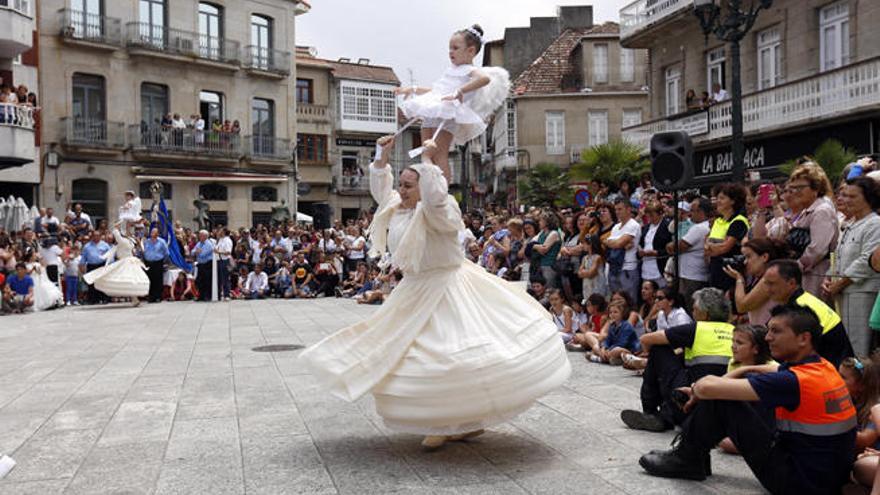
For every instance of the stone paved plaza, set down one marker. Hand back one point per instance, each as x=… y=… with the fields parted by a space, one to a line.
x=170 y=398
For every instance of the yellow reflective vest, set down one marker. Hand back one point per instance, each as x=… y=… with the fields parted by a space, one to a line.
x=712 y=344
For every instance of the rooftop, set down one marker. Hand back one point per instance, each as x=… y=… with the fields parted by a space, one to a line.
x=545 y=75
x=358 y=70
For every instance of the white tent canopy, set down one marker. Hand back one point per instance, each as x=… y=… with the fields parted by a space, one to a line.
x=302 y=217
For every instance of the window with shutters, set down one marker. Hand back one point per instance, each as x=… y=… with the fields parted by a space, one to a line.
x=555 y=130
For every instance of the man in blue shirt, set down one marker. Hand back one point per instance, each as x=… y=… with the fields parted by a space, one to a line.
x=155 y=252
x=204 y=254
x=92 y=258
x=812 y=447
x=20 y=296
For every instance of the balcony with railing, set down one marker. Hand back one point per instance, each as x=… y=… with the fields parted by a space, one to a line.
x=843 y=92
x=144 y=38
x=16 y=27
x=93 y=134
x=16 y=135
x=92 y=29
x=267 y=149
x=262 y=60
x=307 y=112
x=185 y=143
x=641 y=16
x=352 y=184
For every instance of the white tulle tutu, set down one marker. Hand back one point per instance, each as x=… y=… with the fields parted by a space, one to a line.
x=465 y=119
x=123 y=278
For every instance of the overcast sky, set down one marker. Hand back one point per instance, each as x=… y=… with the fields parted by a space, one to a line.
x=414 y=34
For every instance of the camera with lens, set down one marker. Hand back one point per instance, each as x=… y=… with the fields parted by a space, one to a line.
x=737 y=262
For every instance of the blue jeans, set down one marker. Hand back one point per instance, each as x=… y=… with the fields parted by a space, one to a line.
x=71 y=288
x=626 y=280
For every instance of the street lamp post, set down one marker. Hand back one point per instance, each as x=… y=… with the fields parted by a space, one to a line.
x=731 y=24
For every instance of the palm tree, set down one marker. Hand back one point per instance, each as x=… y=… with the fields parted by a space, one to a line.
x=610 y=162
x=831 y=155
x=546 y=184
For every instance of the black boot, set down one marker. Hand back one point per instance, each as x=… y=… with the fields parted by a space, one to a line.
x=683 y=461
x=638 y=420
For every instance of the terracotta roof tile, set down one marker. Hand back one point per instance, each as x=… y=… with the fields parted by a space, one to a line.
x=377 y=73
x=545 y=75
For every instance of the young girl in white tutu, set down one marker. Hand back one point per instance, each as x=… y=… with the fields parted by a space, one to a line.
x=460 y=102
x=130 y=211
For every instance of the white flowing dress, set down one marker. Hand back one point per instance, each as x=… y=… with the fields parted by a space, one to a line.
x=465 y=119
x=126 y=277
x=453 y=349
x=47 y=295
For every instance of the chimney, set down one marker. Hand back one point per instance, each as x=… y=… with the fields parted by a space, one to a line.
x=363 y=61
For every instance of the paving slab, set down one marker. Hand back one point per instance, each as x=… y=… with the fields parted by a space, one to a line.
x=175 y=401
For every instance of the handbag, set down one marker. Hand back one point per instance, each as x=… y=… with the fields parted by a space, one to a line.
x=798 y=239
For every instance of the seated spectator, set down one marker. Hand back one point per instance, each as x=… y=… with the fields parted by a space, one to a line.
x=326 y=277
x=563 y=315
x=303 y=277
x=183 y=288
x=648 y=309
x=751 y=355
x=707 y=351
x=670 y=309
x=634 y=318
x=283 y=281
x=355 y=282
x=538 y=290
x=783 y=282
x=811 y=448
x=617 y=338
x=19 y=295
x=257 y=284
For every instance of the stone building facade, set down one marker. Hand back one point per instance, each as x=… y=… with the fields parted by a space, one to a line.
x=580 y=92
x=115 y=69
x=810 y=71
x=19 y=126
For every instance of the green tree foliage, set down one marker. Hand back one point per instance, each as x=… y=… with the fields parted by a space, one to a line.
x=831 y=155
x=544 y=185
x=610 y=162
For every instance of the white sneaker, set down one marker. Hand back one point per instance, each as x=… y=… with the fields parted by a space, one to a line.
x=6 y=465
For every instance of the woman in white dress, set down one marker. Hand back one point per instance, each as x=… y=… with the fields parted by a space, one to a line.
x=453 y=349
x=126 y=277
x=46 y=294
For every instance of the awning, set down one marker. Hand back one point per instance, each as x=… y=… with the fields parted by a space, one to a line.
x=302 y=217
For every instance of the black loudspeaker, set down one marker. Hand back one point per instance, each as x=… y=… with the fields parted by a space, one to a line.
x=323 y=216
x=672 y=157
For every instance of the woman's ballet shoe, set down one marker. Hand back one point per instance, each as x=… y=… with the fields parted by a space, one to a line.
x=466 y=436
x=431 y=442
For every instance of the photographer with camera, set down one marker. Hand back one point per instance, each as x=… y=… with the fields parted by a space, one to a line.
x=750 y=293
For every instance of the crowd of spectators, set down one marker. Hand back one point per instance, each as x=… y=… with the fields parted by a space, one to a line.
x=192 y=132
x=693 y=103
x=758 y=263
x=17 y=104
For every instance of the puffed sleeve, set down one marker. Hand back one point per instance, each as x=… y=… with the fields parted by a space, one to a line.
x=441 y=211
x=381 y=183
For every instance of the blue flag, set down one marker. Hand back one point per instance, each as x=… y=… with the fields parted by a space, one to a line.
x=166 y=231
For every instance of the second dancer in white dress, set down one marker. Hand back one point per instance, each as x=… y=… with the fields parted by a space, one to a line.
x=126 y=277
x=453 y=349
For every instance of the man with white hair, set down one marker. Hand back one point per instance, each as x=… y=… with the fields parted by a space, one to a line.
x=204 y=254
x=707 y=351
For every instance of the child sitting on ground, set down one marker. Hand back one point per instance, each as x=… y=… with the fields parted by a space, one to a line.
x=616 y=338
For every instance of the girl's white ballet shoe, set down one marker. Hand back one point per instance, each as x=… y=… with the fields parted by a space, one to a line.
x=432 y=442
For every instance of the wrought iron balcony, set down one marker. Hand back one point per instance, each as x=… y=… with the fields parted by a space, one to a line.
x=833 y=94
x=262 y=59
x=77 y=25
x=186 y=141
x=93 y=133
x=263 y=148
x=161 y=39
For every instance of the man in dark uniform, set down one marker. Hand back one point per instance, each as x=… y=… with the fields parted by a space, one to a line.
x=812 y=447
x=707 y=351
x=783 y=281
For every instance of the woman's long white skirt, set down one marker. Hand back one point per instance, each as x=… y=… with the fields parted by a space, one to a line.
x=451 y=351
x=123 y=278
